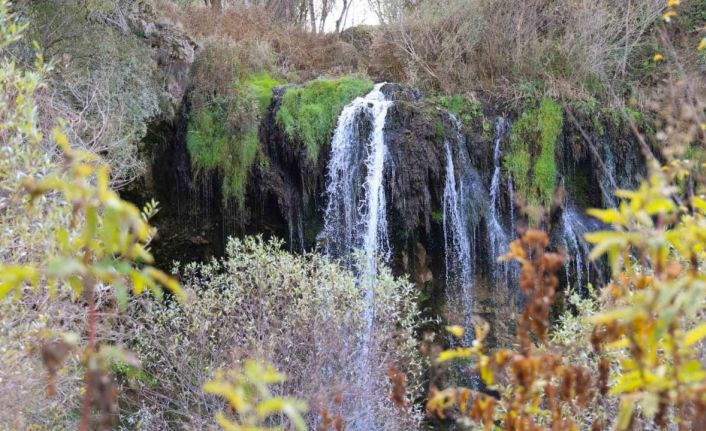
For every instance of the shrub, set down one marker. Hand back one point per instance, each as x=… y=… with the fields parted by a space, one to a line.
x=269 y=43
x=93 y=246
x=309 y=114
x=106 y=84
x=300 y=313
x=639 y=365
x=466 y=110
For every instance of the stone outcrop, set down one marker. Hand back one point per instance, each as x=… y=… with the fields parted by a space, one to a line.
x=173 y=50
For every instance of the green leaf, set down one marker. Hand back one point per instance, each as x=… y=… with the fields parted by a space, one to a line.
x=625 y=413
x=63 y=267
x=122 y=296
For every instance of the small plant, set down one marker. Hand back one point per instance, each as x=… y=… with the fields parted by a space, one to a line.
x=228 y=103
x=248 y=394
x=104 y=241
x=466 y=110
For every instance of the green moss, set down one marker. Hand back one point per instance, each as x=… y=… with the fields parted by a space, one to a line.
x=531 y=159
x=437 y=216
x=261 y=86
x=222 y=135
x=464 y=109
x=309 y=114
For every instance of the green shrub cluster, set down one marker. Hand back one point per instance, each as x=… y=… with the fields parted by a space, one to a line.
x=228 y=103
x=531 y=159
x=303 y=314
x=309 y=113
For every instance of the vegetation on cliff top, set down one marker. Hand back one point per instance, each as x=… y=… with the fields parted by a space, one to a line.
x=309 y=114
x=228 y=102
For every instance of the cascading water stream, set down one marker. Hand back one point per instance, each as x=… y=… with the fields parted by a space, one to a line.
x=355 y=217
x=497 y=236
x=458 y=244
x=355 y=221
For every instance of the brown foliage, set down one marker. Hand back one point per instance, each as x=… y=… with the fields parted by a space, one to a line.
x=297 y=54
x=540 y=379
x=499 y=46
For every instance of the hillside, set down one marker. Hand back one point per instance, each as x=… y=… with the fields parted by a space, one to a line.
x=472 y=215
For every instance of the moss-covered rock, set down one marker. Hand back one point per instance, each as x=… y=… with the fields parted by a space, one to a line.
x=308 y=114
x=222 y=133
x=531 y=159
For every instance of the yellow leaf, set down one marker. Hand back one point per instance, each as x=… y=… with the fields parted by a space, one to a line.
x=61 y=140
x=455 y=330
x=608 y=216
x=628 y=382
x=658 y=57
x=659 y=206
x=458 y=353
x=226 y=390
x=702 y=44
x=623 y=313
x=138 y=282
x=667 y=17
x=226 y=424
x=83 y=170
x=619 y=344
x=279 y=404
x=695 y=335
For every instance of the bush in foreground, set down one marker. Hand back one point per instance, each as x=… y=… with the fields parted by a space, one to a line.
x=301 y=313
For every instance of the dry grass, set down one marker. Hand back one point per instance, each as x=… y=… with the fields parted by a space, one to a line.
x=291 y=52
x=569 y=49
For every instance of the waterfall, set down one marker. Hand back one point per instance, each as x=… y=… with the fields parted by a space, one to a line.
x=355 y=221
x=574 y=226
x=607 y=183
x=355 y=216
x=458 y=245
x=497 y=236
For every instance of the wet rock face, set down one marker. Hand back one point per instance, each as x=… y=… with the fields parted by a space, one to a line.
x=417 y=153
x=286 y=196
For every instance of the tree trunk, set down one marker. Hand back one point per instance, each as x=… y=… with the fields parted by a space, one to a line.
x=342 y=18
x=217 y=6
x=312 y=16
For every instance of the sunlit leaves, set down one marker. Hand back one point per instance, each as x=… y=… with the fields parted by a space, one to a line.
x=455 y=330
x=656 y=251
x=107 y=236
x=450 y=355
x=695 y=335
x=247 y=391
